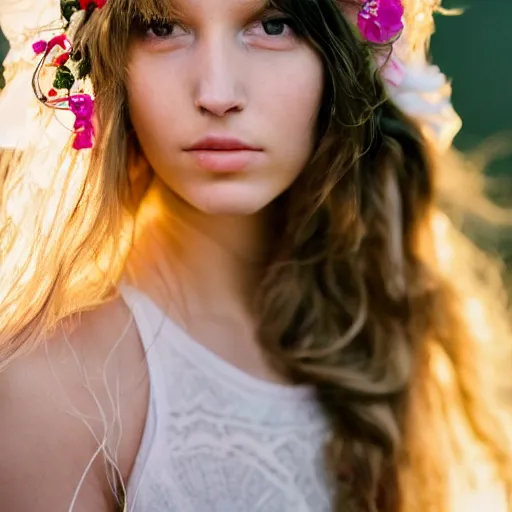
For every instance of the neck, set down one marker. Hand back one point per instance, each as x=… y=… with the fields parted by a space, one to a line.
x=205 y=261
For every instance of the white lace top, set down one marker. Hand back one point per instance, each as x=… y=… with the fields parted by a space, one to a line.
x=218 y=439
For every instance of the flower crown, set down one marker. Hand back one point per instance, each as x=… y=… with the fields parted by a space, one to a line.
x=379 y=22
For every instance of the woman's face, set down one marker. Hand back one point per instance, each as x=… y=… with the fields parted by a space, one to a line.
x=224 y=100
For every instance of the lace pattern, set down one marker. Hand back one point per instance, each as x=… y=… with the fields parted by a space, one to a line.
x=221 y=445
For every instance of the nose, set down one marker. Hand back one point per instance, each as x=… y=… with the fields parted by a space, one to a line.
x=219 y=90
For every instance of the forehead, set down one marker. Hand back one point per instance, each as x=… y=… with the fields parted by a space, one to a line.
x=205 y=8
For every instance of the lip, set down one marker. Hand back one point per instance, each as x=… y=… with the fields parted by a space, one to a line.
x=224 y=154
x=220 y=143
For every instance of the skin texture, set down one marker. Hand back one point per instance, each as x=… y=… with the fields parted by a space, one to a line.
x=220 y=73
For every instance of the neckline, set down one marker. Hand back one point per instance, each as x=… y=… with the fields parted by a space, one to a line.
x=210 y=362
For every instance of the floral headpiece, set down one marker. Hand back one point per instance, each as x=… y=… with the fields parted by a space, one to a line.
x=69 y=87
x=379 y=21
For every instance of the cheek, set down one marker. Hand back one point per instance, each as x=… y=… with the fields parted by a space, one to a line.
x=152 y=102
x=281 y=94
x=292 y=96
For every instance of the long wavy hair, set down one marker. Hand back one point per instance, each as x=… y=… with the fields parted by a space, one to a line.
x=359 y=298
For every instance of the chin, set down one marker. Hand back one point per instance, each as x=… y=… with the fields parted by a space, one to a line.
x=230 y=199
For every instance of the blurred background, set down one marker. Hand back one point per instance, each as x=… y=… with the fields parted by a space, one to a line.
x=3 y=51
x=475 y=50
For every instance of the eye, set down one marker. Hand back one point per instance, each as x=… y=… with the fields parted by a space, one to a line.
x=275 y=26
x=162 y=29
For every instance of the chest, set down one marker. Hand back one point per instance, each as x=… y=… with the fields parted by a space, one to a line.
x=210 y=445
x=217 y=438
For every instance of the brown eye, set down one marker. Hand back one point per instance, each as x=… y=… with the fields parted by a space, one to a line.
x=161 y=29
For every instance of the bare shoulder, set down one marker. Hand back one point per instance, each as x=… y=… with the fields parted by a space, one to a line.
x=83 y=387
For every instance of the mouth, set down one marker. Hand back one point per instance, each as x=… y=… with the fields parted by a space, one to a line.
x=222 y=144
x=224 y=154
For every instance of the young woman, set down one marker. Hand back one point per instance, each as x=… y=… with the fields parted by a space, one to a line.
x=225 y=293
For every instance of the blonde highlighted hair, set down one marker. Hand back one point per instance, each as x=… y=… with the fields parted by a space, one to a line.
x=372 y=295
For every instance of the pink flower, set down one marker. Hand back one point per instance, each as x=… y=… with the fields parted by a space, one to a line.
x=83 y=139
x=39 y=47
x=82 y=105
x=380 y=21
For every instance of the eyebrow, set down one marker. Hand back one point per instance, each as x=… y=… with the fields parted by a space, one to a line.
x=260 y=7
x=256 y=9
x=150 y=9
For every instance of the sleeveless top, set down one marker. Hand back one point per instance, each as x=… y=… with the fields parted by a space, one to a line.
x=218 y=439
